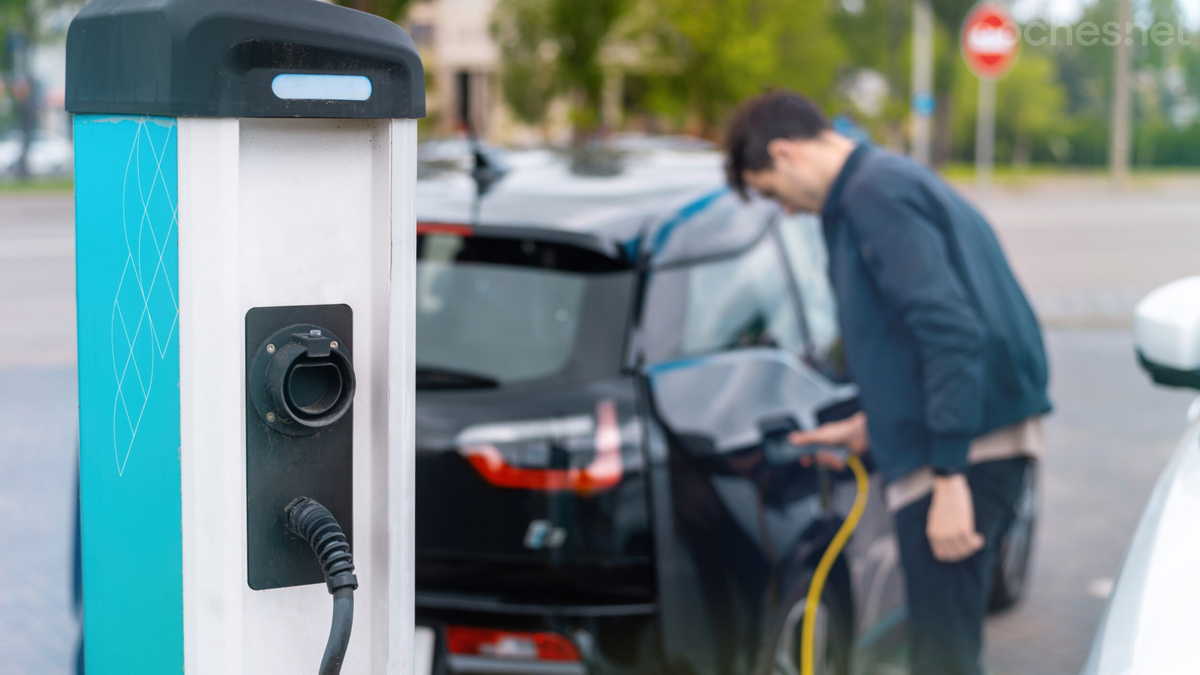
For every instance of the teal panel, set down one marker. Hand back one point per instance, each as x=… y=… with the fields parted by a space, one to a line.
x=127 y=259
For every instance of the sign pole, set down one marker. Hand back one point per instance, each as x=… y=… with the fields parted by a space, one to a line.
x=990 y=42
x=985 y=132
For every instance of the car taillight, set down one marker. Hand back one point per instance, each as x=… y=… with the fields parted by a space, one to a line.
x=445 y=228
x=603 y=472
x=503 y=644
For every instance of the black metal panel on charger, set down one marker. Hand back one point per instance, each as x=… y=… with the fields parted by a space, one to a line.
x=280 y=468
x=218 y=58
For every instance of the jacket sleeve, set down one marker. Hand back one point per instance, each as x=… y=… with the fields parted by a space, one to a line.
x=907 y=256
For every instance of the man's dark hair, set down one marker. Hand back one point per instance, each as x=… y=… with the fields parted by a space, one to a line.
x=777 y=114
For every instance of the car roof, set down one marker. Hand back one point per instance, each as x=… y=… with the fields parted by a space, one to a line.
x=617 y=203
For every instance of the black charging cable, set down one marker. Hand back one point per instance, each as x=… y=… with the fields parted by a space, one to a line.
x=313 y=523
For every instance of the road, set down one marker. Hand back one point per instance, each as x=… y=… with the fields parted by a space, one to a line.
x=1087 y=252
x=1084 y=252
x=38 y=413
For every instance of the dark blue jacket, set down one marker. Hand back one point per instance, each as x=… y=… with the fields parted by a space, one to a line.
x=938 y=335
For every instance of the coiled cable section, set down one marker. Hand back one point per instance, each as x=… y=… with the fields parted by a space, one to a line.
x=308 y=519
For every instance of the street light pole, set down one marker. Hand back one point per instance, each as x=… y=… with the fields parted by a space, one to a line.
x=922 y=82
x=1119 y=136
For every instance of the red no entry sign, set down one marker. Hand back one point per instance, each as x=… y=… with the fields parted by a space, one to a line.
x=990 y=41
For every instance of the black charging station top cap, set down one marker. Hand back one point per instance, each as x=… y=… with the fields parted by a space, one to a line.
x=220 y=58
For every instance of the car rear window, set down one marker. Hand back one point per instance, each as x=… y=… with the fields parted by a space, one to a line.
x=722 y=305
x=497 y=311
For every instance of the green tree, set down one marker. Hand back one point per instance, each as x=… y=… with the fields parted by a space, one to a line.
x=551 y=47
x=720 y=52
x=18 y=26
x=528 y=51
x=1165 y=73
x=876 y=35
x=580 y=30
x=1030 y=107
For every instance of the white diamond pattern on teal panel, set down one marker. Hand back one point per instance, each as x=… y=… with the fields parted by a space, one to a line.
x=145 y=310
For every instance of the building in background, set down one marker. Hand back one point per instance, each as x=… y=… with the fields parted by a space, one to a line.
x=462 y=74
x=461 y=62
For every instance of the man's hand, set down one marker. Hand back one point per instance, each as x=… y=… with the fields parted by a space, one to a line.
x=850 y=433
x=951 y=524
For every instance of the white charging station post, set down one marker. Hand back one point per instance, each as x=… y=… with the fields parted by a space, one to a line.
x=236 y=159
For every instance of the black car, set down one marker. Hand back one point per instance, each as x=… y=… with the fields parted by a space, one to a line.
x=604 y=349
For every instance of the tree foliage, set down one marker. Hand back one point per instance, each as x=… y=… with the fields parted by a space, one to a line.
x=579 y=30
x=18 y=26
x=687 y=64
x=552 y=47
x=720 y=52
x=523 y=32
x=1030 y=106
x=696 y=59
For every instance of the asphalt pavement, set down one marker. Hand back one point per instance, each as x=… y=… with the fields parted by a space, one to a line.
x=38 y=419
x=1084 y=251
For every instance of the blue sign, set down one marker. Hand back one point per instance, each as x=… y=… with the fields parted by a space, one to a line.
x=924 y=104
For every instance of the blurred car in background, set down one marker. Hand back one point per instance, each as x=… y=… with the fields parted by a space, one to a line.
x=606 y=347
x=49 y=155
x=629 y=141
x=1149 y=623
x=452 y=153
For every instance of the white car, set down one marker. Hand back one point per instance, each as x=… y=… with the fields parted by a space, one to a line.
x=1150 y=623
x=49 y=155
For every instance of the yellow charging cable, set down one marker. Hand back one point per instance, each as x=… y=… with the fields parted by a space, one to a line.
x=809 y=628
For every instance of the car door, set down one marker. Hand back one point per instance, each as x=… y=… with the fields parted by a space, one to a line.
x=727 y=357
x=873 y=553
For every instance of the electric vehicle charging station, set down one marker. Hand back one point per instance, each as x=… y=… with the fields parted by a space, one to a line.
x=245 y=176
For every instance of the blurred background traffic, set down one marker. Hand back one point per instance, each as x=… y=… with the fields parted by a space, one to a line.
x=1089 y=230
